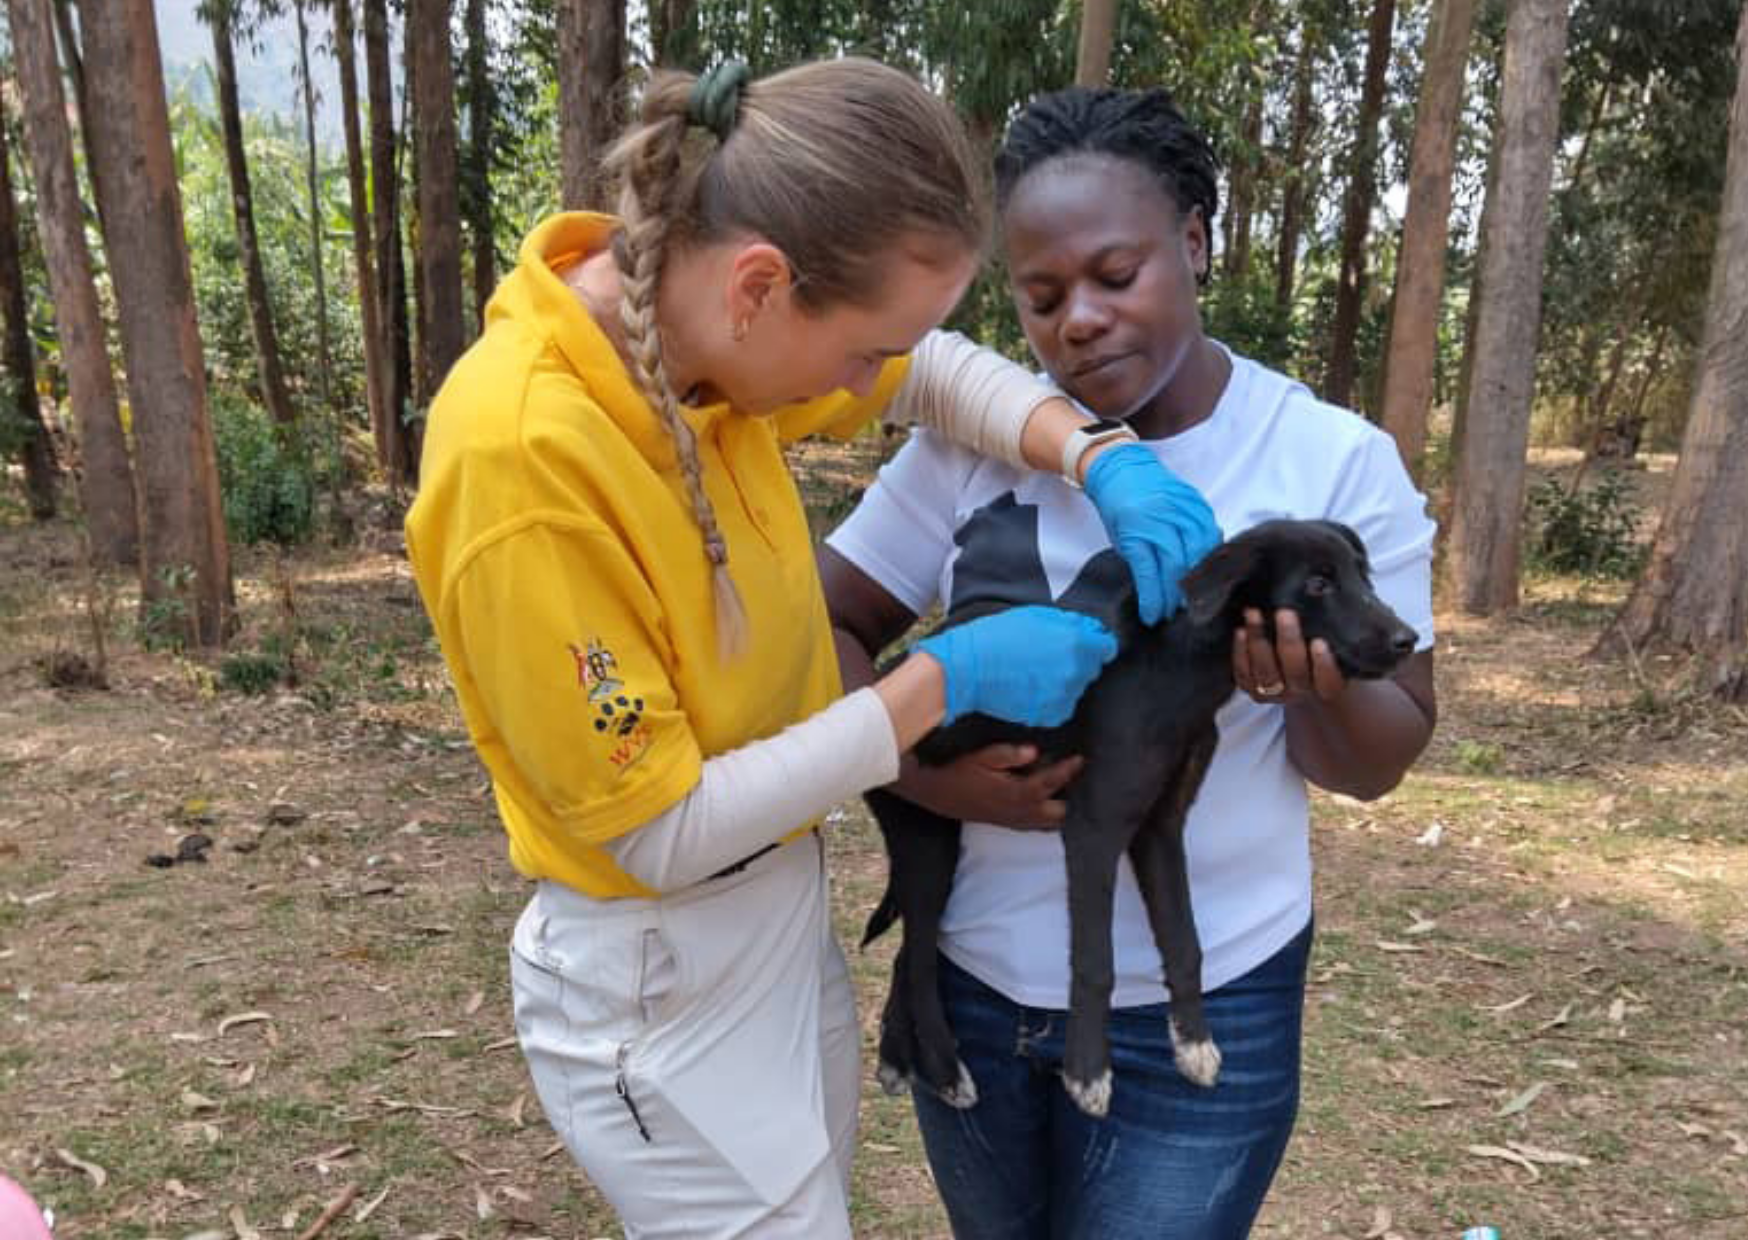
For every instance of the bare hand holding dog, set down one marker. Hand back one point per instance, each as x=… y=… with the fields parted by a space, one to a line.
x=997 y=784
x=1284 y=669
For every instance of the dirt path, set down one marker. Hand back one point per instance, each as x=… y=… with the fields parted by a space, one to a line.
x=1528 y=1001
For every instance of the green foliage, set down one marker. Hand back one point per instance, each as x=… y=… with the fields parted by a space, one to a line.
x=1479 y=757
x=166 y=621
x=268 y=483
x=1591 y=531
x=251 y=672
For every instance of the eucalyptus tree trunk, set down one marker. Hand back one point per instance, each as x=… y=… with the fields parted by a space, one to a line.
x=324 y=356
x=478 y=199
x=74 y=62
x=345 y=55
x=273 y=391
x=1694 y=594
x=1489 y=482
x=106 y=480
x=673 y=34
x=1356 y=227
x=1410 y=361
x=1098 y=27
x=439 y=235
x=42 y=474
x=185 y=572
x=1245 y=173
x=1296 y=189
x=398 y=450
x=591 y=69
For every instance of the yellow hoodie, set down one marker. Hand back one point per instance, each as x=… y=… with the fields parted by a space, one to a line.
x=554 y=547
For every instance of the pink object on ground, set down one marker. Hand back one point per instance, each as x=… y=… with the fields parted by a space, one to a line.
x=20 y=1219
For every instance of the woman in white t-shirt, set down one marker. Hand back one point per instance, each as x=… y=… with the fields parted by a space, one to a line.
x=1107 y=202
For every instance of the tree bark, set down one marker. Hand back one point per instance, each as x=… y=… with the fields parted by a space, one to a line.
x=42 y=473
x=591 y=68
x=397 y=451
x=106 y=481
x=1356 y=228
x=1410 y=360
x=1489 y=480
x=273 y=391
x=439 y=219
x=184 y=561
x=673 y=36
x=74 y=62
x=481 y=104
x=1694 y=593
x=1239 y=214
x=1296 y=189
x=345 y=54
x=1098 y=28
x=324 y=355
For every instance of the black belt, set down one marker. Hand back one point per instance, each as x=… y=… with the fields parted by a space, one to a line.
x=743 y=863
x=747 y=860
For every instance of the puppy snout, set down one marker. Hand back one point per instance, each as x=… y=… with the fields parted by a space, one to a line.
x=1402 y=641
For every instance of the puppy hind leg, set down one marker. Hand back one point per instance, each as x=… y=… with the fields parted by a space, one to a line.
x=916 y=1039
x=1162 y=872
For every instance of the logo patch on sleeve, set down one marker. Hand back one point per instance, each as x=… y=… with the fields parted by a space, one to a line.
x=617 y=712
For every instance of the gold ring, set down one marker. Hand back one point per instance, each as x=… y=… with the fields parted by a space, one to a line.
x=1274 y=690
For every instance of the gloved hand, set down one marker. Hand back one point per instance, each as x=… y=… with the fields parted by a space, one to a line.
x=1158 y=523
x=1026 y=665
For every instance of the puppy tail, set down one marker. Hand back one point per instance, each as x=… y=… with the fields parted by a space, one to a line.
x=881 y=919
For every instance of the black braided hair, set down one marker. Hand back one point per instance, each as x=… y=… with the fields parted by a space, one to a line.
x=1142 y=126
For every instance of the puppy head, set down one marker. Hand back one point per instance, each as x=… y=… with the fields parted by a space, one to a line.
x=1319 y=570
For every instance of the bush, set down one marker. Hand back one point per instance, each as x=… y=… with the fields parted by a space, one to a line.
x=251 y=672
x=267 y=481
x=1592 y=532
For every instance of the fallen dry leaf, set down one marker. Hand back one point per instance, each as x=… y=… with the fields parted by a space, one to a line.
x=368 y=1208
x=1499 y=1009
x=474 y=1002
x=99 y=1177
x=1524 y=1100
x=1547 y=1157
x=1381 y=1221
x=242 y=1018
x=240 y=1225
x=1505 y=1155
x=195 y=1101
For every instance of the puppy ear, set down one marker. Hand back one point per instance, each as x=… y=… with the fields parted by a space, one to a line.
x=1209 y=587
x=1353 y=540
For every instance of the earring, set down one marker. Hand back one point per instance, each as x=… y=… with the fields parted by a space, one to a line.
x=739 y=331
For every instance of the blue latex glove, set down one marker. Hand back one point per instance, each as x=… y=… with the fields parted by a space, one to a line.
x=1158 y=523
x=1026 y=665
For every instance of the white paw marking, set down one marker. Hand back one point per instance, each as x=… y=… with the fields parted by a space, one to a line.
x=963 y=1094
x=1199 y=1061
x=891 y=1079
x=1093 y=1097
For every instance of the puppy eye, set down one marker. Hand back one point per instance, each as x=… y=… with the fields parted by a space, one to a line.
x=1318 y=584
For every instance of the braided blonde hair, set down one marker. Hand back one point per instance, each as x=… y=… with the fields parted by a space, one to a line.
x=840 y=164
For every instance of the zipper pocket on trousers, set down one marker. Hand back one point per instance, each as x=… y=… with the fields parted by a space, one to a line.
x=624 y=1091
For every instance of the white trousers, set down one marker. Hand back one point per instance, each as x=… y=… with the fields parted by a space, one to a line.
x=698 y=1053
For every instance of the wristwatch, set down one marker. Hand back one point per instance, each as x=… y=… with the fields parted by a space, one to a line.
x=1084 y=438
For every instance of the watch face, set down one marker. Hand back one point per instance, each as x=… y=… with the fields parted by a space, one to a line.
x=1104 y=426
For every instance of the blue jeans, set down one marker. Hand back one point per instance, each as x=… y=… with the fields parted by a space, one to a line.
x=1172 y=1161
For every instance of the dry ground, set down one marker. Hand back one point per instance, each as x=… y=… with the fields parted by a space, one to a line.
x=1529 y=1000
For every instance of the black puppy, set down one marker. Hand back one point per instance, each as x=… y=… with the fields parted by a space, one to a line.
x=1146 y=728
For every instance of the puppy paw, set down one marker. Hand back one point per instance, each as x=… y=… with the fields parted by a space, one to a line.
x=962 y=1094
x=1198 y=1059
x=893 y=1080
x=1092 y=1097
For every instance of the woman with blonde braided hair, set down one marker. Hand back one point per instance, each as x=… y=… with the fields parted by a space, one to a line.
x=618 y=569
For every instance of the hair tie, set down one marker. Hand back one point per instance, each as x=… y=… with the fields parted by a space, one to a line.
x=715 y=99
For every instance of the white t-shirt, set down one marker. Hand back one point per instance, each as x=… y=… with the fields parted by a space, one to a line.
x=1269 y=449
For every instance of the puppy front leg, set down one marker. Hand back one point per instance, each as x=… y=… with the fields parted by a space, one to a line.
x=1162 y=873
x=1091 y=854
